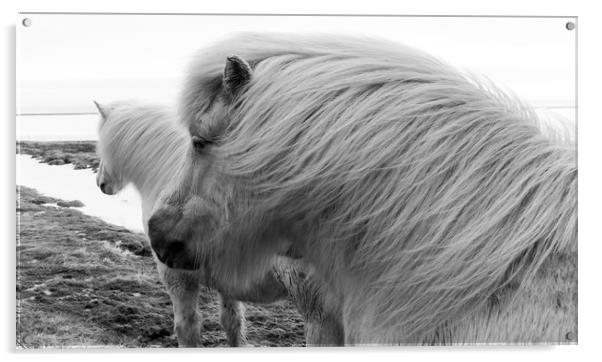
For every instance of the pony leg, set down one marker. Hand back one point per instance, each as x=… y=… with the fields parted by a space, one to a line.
x=326 y=330
x=322 y=321
x=183 y=288
x=323 y=325
x=233 y=321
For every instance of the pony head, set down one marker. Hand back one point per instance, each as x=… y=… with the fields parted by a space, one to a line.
x=415 y=191
x=189 y=211
x=109 y=181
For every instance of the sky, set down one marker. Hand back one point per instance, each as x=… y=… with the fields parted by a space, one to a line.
x=66 y=61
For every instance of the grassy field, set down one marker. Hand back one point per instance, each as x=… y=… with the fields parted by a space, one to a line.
x=83 y=282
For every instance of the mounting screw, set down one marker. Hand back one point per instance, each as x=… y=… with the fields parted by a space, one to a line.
x=27 y=22
x=570 y=25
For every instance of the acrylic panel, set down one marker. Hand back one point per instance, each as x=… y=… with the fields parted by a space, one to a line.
x=283 y=180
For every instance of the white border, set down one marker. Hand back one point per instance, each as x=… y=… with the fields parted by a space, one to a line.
x=589 y=119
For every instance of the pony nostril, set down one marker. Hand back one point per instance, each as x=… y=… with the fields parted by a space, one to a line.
x=102 y=187
x=176 y=247
x=169 y=249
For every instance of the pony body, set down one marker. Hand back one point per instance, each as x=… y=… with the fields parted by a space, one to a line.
x=416 y=191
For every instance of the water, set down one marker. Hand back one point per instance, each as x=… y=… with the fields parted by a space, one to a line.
x=64 y=182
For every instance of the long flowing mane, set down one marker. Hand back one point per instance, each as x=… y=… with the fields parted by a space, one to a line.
x=144 y=144
x=436 y=186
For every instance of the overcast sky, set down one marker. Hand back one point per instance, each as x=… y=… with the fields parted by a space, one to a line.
x=65 y=61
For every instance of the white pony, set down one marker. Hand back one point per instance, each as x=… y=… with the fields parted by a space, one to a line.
x=141 y=144
x=435 y=208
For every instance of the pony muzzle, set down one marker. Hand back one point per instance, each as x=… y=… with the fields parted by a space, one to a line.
x=106 y=188
x=172 y=252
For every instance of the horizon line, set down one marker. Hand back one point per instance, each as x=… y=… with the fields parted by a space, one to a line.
x=56 y=114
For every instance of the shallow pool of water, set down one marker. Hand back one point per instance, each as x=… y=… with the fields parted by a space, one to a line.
x=64 y=182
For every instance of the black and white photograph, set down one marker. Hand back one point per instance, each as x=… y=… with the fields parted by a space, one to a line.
x=294 y=180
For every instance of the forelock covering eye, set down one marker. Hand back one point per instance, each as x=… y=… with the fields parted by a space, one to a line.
x=199 y=143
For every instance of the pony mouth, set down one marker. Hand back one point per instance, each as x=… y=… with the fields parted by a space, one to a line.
x=177 y=261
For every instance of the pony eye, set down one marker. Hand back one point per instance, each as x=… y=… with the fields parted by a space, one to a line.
x=199 y=143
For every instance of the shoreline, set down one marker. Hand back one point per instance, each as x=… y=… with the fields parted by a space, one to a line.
x=81 y=154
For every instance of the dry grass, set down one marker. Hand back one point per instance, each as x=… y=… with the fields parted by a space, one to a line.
x=82 y=282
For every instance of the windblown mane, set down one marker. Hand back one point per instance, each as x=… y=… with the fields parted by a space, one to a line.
x=438 y=187
x=144 y=144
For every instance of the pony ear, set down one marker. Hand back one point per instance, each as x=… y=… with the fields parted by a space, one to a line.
x=236 y=74
x=103 y=110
